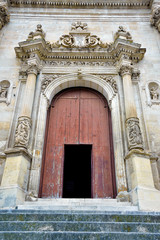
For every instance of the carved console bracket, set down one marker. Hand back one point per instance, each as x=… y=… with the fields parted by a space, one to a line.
x=4 y=15
x=22 y=133
x=134 y=135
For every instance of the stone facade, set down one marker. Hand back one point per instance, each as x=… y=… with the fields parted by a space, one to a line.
x=110 y=47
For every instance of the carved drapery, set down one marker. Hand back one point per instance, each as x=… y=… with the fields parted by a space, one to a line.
x=134 y=134
x=22 y=133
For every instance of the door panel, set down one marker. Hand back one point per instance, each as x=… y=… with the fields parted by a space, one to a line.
x=78 y=116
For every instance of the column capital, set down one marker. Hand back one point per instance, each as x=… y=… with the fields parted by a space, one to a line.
x=34 y=64
x=125 y=69
x=4 y=14
x=33 y=69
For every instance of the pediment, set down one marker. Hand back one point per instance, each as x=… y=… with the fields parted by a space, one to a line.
x=80 y=45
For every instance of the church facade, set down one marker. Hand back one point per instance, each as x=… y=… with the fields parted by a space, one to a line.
x=80 y=101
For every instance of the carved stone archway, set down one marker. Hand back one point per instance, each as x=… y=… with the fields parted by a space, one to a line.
x=78 y=80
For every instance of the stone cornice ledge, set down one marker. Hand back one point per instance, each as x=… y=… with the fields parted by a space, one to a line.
x=82 y=3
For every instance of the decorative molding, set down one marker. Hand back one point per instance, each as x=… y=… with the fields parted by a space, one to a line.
x=81 y=46
x=155 y=19
x=134 y=134
x=111 y=81
x=82 y=4
x=4 y=15
x=22 y=133
x=79 y=63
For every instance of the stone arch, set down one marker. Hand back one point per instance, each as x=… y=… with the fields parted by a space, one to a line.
x=78 y=80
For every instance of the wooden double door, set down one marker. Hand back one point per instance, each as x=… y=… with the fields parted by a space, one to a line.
x=78 y=151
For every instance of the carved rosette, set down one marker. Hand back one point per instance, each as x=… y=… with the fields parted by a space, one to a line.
x=134 y=134
x=155 y=19
x=4 y=15
x=126 y=70
x=22 y=133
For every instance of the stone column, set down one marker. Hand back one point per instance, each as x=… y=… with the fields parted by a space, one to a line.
x=16 y=172
x=138 y=166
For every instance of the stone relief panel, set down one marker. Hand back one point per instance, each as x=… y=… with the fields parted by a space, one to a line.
x=134 y=134
x=22 y=133
x=5 y=91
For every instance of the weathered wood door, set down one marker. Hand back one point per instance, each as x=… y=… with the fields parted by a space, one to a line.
x=78 y=116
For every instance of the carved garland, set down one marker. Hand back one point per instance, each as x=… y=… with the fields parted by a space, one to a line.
x=111 y=82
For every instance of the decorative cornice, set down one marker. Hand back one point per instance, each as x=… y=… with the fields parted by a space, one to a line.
x=82 y=3
x=4 y=15
x=83 y=47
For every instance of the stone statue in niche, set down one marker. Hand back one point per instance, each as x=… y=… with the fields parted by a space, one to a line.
x=154 y=93
x=4 y=86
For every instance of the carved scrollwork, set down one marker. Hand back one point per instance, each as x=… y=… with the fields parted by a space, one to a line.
x=111 y=81
x=92 y=41
x=66 y=41
x=134 y=134
x=22 y=133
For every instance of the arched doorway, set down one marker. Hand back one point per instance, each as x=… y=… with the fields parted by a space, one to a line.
x=78 y=150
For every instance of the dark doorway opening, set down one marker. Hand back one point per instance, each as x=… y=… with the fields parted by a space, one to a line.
x=77 y=171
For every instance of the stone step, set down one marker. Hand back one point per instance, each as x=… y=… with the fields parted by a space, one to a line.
x=79 y=226
x=79 y=202
x=35 y=215
x=77 y=236
x=77 y=208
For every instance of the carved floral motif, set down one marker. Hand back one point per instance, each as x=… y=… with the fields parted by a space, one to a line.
x=79 y=26
x=134 y=134
x=111 y=81
x=22 y=133
x=78 y=63
x=66 y=41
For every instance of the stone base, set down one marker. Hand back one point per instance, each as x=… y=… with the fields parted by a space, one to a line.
x=147 y=199
x=11 y=196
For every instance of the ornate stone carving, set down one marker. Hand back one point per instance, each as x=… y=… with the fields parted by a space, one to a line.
x=155 y=19
x=79 y=26
x=154 y=93
x=134 y=134
x=4 y=15
x=78 y=63
x=32 y=69
x=126 y=70
x=122 y=33
x=4 y=87
x=111 y=81
x=22 y=133
x=47 y=79
x=80 y=37
x=38 y=34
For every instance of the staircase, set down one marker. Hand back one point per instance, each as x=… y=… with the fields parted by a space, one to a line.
x=78 y=220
